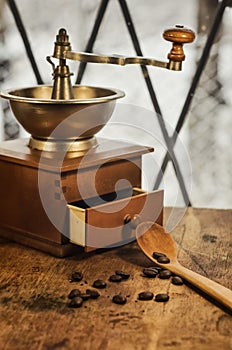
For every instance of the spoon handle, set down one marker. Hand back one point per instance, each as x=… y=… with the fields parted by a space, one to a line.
x=215 y=290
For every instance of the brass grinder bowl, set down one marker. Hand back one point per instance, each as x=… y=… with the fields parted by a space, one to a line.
x=62 y=124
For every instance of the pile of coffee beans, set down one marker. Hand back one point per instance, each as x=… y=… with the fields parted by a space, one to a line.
x=150 y=272
x=124 y=275
x=153 y=272
x=162 y=273
x=77 y=297
x=161 y=297
x=161 y=258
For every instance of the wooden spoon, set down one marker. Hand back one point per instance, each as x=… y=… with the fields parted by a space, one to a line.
x=153 y=238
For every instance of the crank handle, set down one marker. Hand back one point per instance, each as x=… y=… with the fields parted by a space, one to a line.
x=178 y=36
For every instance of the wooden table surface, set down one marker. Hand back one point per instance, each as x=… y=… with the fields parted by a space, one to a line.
x=34 y=286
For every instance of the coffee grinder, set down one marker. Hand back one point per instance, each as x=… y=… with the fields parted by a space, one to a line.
x=65 y=189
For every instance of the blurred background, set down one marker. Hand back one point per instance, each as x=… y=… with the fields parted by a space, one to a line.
x=203 y=148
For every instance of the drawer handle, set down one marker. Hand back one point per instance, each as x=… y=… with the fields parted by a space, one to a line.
x=134 y=220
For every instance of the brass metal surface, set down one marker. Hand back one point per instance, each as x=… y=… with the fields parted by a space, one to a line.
x=82 y=95
x=178 y=35
x=64 y=114
x=114 y=59
x=63 y=51
x=62 y=88
x=62 y=43
x=79 y=118
x=62 y=145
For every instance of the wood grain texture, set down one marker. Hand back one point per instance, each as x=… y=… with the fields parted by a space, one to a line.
x=17 y=151
x=34 y=288
x=33 y=189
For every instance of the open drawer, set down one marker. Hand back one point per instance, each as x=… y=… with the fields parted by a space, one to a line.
x=110 y=220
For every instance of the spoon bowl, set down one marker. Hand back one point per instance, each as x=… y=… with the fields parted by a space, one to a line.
x=153 y=238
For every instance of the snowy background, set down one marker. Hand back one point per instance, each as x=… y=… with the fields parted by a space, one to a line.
x=204 y=145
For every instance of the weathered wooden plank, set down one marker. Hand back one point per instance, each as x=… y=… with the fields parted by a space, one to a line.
x=34 y=288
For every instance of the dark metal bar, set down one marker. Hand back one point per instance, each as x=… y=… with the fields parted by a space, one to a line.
x=89 y=46
x=138 y=51
x=200 y=67
x=21 y=28
x=136 y=44
x=146 y=76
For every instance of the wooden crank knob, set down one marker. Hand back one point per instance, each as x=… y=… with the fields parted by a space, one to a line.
x=178 y=35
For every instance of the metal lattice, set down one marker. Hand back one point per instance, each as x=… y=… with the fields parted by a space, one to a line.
x=207 y=115
x=10 y=127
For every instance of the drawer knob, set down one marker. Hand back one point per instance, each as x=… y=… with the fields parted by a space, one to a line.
x=134 y=220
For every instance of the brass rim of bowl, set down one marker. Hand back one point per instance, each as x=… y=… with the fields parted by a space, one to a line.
x=116 y=94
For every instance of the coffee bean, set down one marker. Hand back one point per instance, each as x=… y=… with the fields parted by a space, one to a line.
x=115 y=278
x=177 y=281
x=123 y=274
x=155 y=268
x=76 y=276
x=151 y=273
x=99 y=284
x=85 y=296
x=163 y=260
x=119 y=299
x=76 y=302
x=164 y=274
x=145 y=296
x=92 y=293
x=74 y=293
x=162 y=297
x=158 y=268
x=156 y=255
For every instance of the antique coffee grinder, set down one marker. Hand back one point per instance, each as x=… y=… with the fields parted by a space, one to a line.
x=65 y=188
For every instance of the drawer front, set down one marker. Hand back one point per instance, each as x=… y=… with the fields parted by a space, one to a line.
x=91 y=181
x=113 y=223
